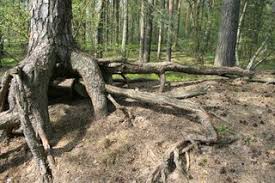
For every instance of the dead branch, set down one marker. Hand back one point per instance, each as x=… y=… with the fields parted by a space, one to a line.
x=188 y=94
x=127 y=114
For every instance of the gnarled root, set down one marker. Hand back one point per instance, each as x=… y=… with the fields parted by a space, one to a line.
x=33 y=142
x=173 y=157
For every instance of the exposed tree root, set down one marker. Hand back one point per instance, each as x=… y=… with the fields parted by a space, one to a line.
x=128 y=116
x=88 y=69
x=173 y=157
x=34 y=144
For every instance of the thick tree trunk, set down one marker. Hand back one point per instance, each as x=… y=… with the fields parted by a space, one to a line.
x=50 y=47
x=225 y=53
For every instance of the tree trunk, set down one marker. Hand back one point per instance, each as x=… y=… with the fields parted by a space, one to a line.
x=170 y=30
x=1 y=48
x=50 y=50
x=142 y=31
x=148 y=31
x=117 y=19
x=239 y=33
x=160 y=32
x=99 y=31
x=225 y=53
x=125 y=28
x=177 y=29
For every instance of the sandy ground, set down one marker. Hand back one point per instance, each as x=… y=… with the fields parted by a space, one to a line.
x=110 y=150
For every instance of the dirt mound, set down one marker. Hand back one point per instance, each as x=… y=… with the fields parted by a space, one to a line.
x=111 y=150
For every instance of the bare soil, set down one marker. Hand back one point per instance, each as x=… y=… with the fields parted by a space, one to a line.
x=111 y=150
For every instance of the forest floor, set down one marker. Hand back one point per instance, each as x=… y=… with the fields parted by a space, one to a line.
x=111 y=150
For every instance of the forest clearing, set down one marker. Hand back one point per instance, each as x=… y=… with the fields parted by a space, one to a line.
x=137 y=91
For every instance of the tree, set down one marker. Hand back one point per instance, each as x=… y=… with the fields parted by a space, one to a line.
x=142 y=30
x=161 y=26
x=225 y=53
x=125 y=28
x=1 y=48
x=100 y=9
x=51 y=53
x=148 y=31
x=170 y=29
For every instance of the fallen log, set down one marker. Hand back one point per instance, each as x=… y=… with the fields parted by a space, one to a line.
x=123 y=67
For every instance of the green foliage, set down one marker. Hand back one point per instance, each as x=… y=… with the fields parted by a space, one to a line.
x=196 y=37
x=14 y=21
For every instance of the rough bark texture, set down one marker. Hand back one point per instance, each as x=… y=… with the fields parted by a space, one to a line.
x=88 y=69
x=161 y=26
x=225 y=53
x=50 y=47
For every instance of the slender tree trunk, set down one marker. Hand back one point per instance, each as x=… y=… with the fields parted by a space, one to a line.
x=100 y=29
x=239 y=33
x=160 y=32
x=117 y=20
x=148 y=31
x=225 y=53
x=177 y=28
x=1 y=48
x=170 y=30
x=88 y=34
x=125 y=28
x=142 y=31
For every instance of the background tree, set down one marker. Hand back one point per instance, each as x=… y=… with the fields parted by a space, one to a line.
x=225 y=53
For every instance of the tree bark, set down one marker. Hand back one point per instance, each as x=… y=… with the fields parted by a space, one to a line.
x=225 y=53
x=50 y=52
x=125 y=28
x=148 y=31
x=99 y=30
x=170 y=30
x=161 y=26
x=142 y=31
x=93 y=80
x=239 y=32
